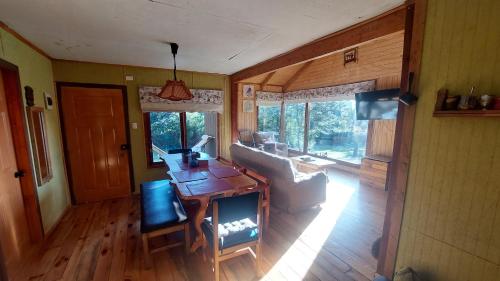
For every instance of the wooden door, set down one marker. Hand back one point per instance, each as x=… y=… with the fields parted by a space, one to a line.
x=96 y=142
x=14 y=234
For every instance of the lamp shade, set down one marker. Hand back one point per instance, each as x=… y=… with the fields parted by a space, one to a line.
x=175 y=90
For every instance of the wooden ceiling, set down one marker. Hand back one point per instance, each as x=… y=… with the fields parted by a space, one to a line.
x=282 y=80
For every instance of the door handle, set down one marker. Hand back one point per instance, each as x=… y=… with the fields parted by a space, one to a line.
x=125 y=146
x=19 y=174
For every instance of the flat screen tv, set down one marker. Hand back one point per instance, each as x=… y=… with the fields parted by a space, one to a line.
x=377 y=105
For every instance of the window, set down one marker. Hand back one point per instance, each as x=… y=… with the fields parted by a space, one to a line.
x=269 y=119
x=334 y=131
x=195 y=127
x=165 y=133
x=172 y=130
x=294 y=125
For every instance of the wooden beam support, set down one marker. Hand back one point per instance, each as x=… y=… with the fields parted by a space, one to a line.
x=384 y=24
x=296 y=75
x=398 y=177
x=266 y=80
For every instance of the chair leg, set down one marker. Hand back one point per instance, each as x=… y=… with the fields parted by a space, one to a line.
x=204 y=248
x=216 y=268
x=145 y=249
x=266 y=223
x=187 y=238
x=258 y=256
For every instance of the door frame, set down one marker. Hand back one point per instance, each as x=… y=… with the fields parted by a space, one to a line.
x=123 y=89
x=21 y=143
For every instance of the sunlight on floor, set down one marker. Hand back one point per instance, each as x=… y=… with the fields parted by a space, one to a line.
x=297 y=260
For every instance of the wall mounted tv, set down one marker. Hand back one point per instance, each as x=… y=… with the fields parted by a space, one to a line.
x=377 y=105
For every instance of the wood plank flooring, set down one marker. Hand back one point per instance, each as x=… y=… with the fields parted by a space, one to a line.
x=101 y=241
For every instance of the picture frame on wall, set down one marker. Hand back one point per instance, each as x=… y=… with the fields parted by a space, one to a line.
x=248 y=106
x=248 y=91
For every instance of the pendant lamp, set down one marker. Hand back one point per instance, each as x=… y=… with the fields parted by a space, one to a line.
x=173 y=89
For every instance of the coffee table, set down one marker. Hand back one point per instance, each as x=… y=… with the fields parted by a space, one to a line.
x=311 y=164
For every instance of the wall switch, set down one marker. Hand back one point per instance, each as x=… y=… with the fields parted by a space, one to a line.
x=133 y=125
x=129 y=78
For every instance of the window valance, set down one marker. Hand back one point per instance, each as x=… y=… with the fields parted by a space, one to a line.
x=340 y=92
x=268 y=98
x=202 y=101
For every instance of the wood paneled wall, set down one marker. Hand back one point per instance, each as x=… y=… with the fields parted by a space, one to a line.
x=379 y=58
x=248 y=120
x=451 y=223
x=382 y=132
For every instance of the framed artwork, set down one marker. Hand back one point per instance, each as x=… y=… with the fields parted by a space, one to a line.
x=351 y=56
x=248 y=105
x=248 y=91
x=39 y=143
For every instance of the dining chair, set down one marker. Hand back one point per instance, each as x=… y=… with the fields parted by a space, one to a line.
x=264 y=185
x=234 y=229
x=180 y=150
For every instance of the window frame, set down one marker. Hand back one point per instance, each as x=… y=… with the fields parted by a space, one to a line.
x=148 y=139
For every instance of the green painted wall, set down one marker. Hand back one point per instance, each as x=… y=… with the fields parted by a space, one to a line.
x=68 y=71
x=35 y=70
x=451 y=224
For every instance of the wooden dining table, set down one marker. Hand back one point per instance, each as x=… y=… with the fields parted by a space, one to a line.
x=202 y=183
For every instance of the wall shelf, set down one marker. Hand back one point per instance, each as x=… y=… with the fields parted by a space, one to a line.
x=466 y=113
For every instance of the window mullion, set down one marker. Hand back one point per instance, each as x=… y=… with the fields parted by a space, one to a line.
x=306 y=128
x=183 y=127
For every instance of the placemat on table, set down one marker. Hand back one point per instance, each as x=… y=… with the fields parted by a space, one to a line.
x=224 y=172
x=208 y=186
x=184 y=176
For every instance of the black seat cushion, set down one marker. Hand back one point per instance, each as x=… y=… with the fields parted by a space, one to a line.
x=231 y=233
x=158 y=206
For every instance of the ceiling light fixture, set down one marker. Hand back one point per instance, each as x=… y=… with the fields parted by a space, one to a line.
x=173 y=89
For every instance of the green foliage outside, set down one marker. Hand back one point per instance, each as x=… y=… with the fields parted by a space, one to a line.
x=166 y=130
x=334 y=131
x=195 y=125
x=269 y=119
x=294 y=130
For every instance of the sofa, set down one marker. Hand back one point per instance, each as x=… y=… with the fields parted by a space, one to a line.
x=290 y=190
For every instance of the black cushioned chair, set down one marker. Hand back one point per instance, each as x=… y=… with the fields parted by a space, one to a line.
x=161 y=213
x=180 y=150
x=234 y=228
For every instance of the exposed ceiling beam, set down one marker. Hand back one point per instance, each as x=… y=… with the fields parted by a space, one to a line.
x=296 y=75
x=384 y=24
x=266 y=80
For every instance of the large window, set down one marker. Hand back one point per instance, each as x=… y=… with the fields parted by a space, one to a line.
x=334 y=131
x=269 y=119
x=173 y=130
x=294 y=125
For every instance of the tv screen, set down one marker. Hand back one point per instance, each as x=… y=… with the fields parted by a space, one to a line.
x=377 y=105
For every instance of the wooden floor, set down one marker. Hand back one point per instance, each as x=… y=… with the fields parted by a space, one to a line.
x=101 y=241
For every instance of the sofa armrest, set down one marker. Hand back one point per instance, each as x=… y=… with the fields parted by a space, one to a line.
x=311 y=178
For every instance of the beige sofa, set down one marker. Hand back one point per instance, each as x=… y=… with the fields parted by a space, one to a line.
x=290 y=190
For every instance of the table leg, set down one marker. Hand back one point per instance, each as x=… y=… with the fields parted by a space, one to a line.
x=198 y=219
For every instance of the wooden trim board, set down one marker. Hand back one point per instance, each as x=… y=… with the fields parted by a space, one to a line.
x=414 y=33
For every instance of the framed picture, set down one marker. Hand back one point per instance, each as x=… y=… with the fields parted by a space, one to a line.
x=49 y=102
x=351 y=56
x=248 y=91
x=248 y=106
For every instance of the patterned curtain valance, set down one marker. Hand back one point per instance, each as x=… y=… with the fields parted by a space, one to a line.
x=268 y=98
x=340 y=92
x=202 y=101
